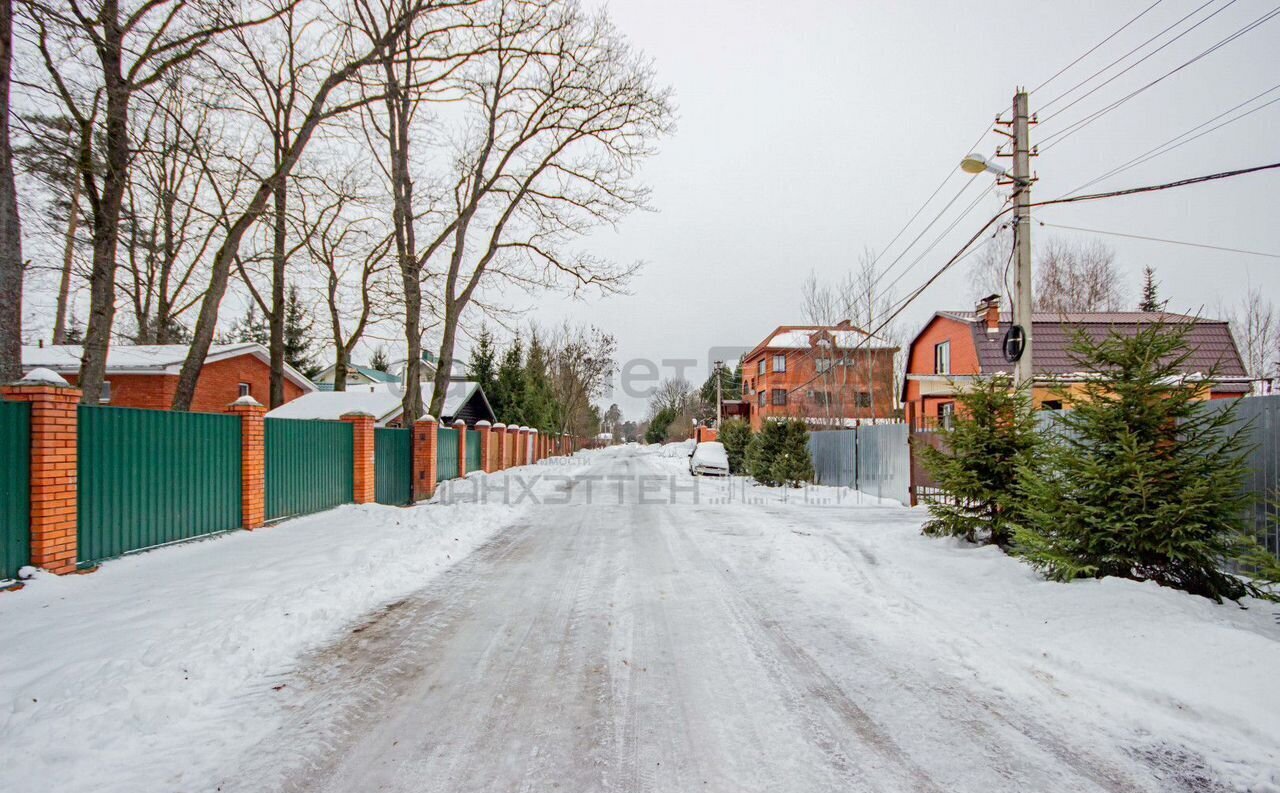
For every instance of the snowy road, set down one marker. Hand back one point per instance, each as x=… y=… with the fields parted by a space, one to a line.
x=635 y=636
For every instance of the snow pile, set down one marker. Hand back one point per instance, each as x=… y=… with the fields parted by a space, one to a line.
x=157 y=671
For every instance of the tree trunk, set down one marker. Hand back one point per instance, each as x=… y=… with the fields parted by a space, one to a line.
x=340 y=370
x=10 y=232
x=106 y=217
x=68 y=258
x=276 y=316
x=444 y=364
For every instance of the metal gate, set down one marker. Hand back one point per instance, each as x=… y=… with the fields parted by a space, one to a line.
x=15 y=487
x=473 y=450
x=151 y=477
x=446 y=454
x=393 y=465
x=309 y=466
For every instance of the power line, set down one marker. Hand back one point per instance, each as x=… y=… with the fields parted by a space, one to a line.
x=1161 y=239
x=964 y=249
x=1063 y=134
x=1094 y=48
x=1173 y=143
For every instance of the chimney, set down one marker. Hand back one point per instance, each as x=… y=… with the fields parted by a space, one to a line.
x=989 y=312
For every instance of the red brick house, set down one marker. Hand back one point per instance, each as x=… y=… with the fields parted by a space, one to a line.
x=836 y=375
x=956 y=346
x=146 y=376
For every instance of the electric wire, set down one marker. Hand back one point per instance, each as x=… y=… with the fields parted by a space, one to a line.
x=1095 y=47
x=1160 y=239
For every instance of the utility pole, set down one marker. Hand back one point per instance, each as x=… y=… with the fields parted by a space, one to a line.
x=719 y=378
x=1023 y=299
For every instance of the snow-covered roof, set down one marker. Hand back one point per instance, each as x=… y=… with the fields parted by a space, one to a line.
x=802 y=339
x=381 y=400
x=146 y=359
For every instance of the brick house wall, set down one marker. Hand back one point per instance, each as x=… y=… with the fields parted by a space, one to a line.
x=847 y=389
x=217 y=387
x=920 y=360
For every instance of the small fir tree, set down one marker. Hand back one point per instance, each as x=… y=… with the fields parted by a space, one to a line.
x=1144 y=481
x=251 y=328
x=1150 y=291
x=483 y=367
x=779 y=454
x=511 y=386
x=992 y=440
x=75 y=331
x=735 y=435
x=659 y=424
x=299 y=336
x=379 y=361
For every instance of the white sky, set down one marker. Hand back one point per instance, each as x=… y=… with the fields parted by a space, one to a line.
x=808 y=130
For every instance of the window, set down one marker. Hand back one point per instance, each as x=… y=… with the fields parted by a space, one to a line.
x=762 y=397
x=244 y=389
x=105 y=396
x=779 y=396
x=822 y=398
x=1051 y=404
x=942 y=358
x=822 y=364
x=779 y=363
x=864 y=399
x=946 y=414
x=761 y=366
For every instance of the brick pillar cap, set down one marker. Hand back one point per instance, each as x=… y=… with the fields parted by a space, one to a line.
x=483 y=423
x=357 y=414
x=459 y=422
x=428 y=417
x=513 y=428
x=245 y=401
x=42 y=376
x=534 y=430
x=523 y=428
x=499 y=426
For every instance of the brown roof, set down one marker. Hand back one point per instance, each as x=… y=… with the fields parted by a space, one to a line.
x=1212 y=345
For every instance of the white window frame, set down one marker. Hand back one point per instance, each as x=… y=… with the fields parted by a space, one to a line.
x=780 y=363
x=942 y=357
x=104 y=396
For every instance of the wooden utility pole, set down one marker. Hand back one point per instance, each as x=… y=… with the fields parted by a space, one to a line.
x=1023 y=299
x=719 y=400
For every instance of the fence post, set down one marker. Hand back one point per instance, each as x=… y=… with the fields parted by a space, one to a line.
x=486 y=461
x=534 y=449
x=363 y=471
x=425 y=438
x=53 y=467
x=253 y=461
x=522 y=443
x=460 y=426
x=513 y=435
x=499 y=431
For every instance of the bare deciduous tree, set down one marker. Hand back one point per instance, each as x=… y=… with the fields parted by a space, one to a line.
x=11 y=267
x=581 y=364
x=1071 y=276
x=1255 y=324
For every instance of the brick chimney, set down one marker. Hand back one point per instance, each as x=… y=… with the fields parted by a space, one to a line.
x=989 y=312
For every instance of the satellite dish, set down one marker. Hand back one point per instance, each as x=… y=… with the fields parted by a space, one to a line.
x=1015 y=341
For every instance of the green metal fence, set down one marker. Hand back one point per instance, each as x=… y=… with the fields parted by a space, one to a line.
x=446 y=454
x=309 y=466
x=473 y=450
x=151 y=477
x=15 y=487
x=393 y=465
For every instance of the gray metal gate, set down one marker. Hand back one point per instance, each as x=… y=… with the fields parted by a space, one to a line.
x=873 y=459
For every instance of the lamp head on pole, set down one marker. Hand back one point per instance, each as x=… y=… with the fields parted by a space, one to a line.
x=975 y=164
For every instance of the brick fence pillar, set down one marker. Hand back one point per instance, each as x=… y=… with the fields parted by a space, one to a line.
x=534 y=449
x=499 y=431
x=53 y=468
x=486 y=453
x=513 y=434
x=364 y=474
x=425 y=437
x=461 y=426
x=522 y=446
x=253 y=461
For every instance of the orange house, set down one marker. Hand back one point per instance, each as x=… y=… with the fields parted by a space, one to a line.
x=836 y=375
x=956 y=346
x=146 y=376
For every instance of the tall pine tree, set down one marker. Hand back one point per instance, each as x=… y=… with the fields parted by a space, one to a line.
x=299 y=336
x=483 y=367
x=1150 y=291
x=1144 y=481
x=992 y=441
x=510 y=385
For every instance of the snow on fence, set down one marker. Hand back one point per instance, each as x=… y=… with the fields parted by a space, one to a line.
x=873 y=459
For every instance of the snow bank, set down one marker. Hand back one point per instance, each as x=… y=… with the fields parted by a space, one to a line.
x=156 y=671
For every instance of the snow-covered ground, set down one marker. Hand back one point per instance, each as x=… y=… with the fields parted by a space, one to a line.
x=620 y=629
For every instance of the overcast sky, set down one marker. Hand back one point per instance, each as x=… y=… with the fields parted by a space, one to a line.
x=808 y=130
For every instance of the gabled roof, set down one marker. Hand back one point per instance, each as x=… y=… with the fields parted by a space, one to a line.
x=144 y=359
x=381 y=400
x=804 y=337
x=375 y=375
x=1211 y=344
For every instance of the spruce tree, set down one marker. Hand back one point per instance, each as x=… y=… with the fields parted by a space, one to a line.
x=510 y=385
x=1144 y=481
x=779 y=454
x=379 y=361
x=991 y=443
x=299 y=336
x=658 y=425
x=540 y=403
x=735 y=435
x=251 y=328
x=1150 y=292
x=483 y=367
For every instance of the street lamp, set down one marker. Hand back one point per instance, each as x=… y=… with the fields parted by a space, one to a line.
x=975 y=164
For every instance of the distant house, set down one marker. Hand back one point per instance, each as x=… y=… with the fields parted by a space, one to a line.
x=837 y=375
x=464 y=399
x=356 y=376
x=956 y=346
x=146 y=376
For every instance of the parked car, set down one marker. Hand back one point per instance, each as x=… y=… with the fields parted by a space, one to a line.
x=709 y=458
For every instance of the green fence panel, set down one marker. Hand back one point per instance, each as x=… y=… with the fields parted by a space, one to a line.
x=446 y=454
x=151 y=477
x=15 y=487
x=309 y=466
x=473 y=450
x=393 y=465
